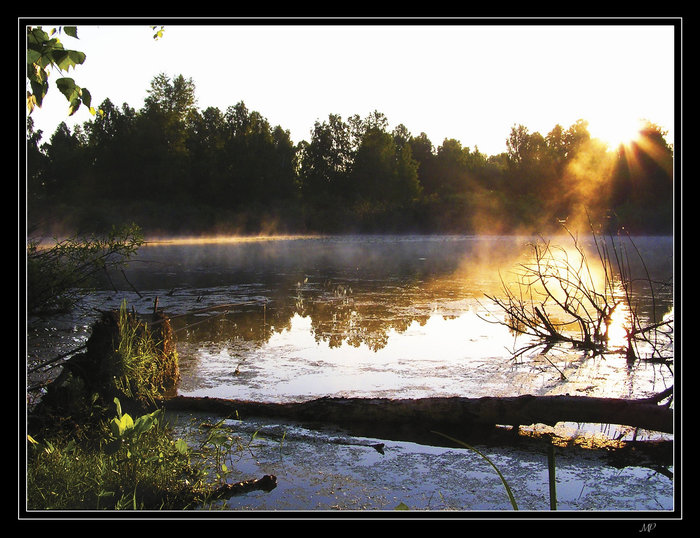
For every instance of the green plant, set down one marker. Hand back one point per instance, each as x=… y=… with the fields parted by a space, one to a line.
x=128 y=464
x=222 y=444
x=137 y=361
x=511 y=498
x=45 y=51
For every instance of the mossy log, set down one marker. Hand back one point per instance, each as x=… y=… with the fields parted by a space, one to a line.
x=450 y=411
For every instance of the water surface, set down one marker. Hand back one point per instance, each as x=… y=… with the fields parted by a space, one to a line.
x=293 y=319
x=401 y=317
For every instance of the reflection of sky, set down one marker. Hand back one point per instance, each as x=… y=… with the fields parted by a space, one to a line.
x=461 y=355
x=362 y=317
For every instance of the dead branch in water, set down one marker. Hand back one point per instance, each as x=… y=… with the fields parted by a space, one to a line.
x=265 y=483
x=559 y=297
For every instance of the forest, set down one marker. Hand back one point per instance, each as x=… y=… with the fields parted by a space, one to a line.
x=175 y=169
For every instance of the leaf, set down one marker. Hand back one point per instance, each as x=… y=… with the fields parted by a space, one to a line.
x=181 y=446
x=127 y=421
x=143 y=424
x=114 y=427
x=71 y=31
x=68 y=88
x=86 y=97
x=74 y=106
x=37 y=36
x=33 y=56
x=38 y=92
x=119 y=406
x=65 y=59
x=119 y=426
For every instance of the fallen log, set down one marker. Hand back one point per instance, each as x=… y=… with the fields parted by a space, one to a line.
x=451 y=411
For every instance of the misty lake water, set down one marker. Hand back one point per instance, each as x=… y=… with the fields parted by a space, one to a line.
x=291 y=319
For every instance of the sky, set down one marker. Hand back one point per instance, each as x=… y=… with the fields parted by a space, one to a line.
x=470 y=82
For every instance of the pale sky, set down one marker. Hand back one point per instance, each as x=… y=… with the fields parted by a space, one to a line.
x=462 y=81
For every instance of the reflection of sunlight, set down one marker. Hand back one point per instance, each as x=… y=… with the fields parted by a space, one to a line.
x=421 y=333
x=452 y=354
x=443 y=339
x=618 y=326
x=565 y=273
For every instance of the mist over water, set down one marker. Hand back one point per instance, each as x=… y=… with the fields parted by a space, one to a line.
x=292 y=319
x=390 y=316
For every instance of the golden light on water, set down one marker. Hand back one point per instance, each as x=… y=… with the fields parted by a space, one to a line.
x=223 y=239
x=618 y=326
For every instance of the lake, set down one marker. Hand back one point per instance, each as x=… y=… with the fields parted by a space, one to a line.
x=295 y=318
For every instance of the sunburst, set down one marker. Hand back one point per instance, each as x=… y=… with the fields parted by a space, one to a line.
x=617 y=131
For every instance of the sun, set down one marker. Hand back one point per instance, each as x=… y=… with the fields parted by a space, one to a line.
x=616 y=131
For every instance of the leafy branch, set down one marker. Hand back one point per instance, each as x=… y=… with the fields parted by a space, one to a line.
x=56 y=274
x=45 y=52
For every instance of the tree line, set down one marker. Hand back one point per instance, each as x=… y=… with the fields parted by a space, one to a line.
x=173 y=168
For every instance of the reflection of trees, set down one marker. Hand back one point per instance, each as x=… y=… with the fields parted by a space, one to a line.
x=352 y=292
x=363 y=320
x=338 y=315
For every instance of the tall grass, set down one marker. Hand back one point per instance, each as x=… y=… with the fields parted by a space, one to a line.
x=137 y=361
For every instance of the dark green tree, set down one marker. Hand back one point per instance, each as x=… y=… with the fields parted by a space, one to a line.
x=383 y=173
x=111 y=152
x=36 y=186
x=65 y=165
x=162 y=134
x=324 y=167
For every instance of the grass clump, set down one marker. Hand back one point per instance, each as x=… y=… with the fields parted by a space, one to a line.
x=144 y=364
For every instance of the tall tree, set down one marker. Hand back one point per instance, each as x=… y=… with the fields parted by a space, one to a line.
x=162 y=132
x=326 y=161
